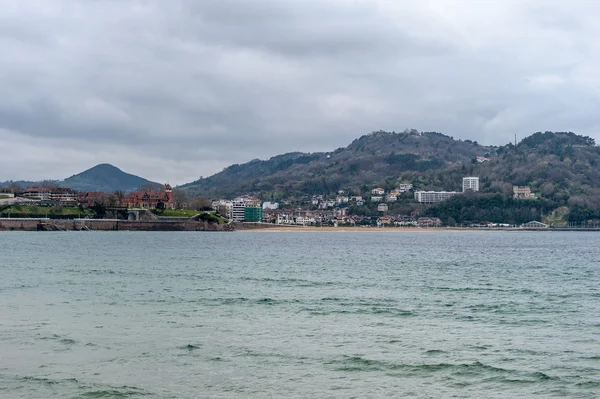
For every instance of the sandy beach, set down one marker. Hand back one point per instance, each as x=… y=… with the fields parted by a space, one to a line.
x=353 y=229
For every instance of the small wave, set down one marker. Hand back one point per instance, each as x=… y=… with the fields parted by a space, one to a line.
x=190 y=347
x=589 y=384
x=49 y=381
x=88 y=390
x=292 y=281
x=59 y=338
x=591 y=358
x=244 y=301
x=433 y=352
x=125 y=392
x=357 y=363
x=381 y=311
x=523 y=378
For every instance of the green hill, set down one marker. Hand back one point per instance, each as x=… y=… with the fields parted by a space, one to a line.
x=103 y=177
x=561 y=168
x=107 y=178
x=374 y=159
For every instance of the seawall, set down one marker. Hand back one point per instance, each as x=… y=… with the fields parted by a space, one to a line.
x=108 y=225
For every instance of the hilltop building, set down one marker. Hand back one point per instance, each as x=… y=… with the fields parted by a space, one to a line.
x=272 y=205
x=470 y=184
x=522 y=192
x=430 y=197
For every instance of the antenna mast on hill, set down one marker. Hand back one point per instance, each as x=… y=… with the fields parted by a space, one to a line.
x=515 y=139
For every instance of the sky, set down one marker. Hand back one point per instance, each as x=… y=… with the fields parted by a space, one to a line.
x=174 y=90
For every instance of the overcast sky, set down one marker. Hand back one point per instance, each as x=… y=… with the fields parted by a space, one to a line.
x=172 y=90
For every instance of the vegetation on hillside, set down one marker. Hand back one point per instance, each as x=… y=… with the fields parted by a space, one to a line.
x=375 y=159
x=561 y=168
x=107 y=178
x=104 y=177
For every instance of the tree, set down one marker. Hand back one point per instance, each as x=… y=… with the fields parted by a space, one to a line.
x=119 y=195
x=179 y=198
x=14 y=188
x=99 y=209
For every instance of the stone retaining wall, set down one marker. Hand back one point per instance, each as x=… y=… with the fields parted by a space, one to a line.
x=107 y=225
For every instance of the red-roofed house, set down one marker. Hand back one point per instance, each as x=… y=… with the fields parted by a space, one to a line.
x=150 y=199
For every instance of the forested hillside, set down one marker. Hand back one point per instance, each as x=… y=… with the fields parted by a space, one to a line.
x=376 y=158
x=561 y=168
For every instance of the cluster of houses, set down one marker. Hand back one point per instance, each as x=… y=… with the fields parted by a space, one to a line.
x=66 y=197
x=339 y=217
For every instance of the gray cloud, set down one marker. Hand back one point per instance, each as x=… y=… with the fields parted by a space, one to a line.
x=174 y=90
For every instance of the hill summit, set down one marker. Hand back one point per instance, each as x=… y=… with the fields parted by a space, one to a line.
x=106 y=177
x=371 y=159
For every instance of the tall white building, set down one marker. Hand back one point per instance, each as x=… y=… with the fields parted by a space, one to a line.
x=238 y=210
x=470 y=184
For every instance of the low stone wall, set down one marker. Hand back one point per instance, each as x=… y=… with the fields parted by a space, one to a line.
x=108 y=225
x=255 y=226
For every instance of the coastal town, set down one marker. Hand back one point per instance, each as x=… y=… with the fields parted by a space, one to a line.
x=373 y=207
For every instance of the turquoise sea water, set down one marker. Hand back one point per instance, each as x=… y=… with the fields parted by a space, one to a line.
x=299 y=315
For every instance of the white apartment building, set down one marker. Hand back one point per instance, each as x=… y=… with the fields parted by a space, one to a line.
x=224 y=207
x=404 y=187
x=378 y=191
x=237 y=212
x=382 y=208
x=271 y=205
x=376 y=198
x=470 y=184
x=430 y=197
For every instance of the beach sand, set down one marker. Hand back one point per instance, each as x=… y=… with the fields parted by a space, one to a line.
x=354 y=229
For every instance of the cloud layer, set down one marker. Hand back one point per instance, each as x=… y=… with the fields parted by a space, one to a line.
x=174 y=90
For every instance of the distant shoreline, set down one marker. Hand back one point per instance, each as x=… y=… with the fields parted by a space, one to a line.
x=312 y=229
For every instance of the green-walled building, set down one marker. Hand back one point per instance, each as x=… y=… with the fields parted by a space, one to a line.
x=253 y=213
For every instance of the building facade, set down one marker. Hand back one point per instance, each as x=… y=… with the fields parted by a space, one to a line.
x=522 y=192
x=150 y=199
x=470 y=184
x=237 y=210
x=224 y=207
x=57 y=195
x=430 y=197
x=272 y=205
x=253 y=213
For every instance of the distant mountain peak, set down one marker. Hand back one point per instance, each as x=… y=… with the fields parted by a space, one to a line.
x=108 y=178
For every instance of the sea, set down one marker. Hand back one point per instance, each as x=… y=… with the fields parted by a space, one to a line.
x=475 y=314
